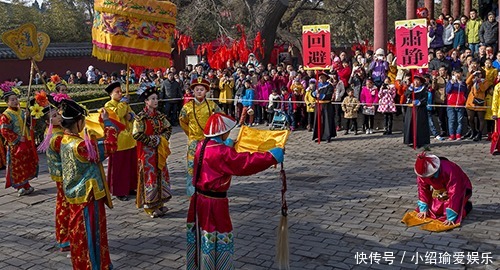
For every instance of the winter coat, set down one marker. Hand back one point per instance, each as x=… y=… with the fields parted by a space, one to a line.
x=448 y=35
x=310 y=100
x=344 y=75
x=439 y=89
x=386 y=97
x=436 y=63
x=298 y=86
x=263 y=91
x=369 y=96
x=488 y=32
x=478 y=91
x=488 y=101
x=350 y=106
x=456 y=93
x=356 y=83
x=437 y=36
x=495 y=104
x=472 y=31
x=226 y=91
x=459 y=39
x=247 y=99
x=491 y=74
x=339 y=91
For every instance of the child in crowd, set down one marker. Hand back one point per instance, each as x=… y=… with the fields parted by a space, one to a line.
x=369 y=97
x=274 y=104
x=310 y=104
x=387 y=105
x=188 y=96
x=350 y=106
x=455 y=91
x=247 y=101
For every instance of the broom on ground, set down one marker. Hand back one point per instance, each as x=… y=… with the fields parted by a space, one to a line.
x=282 y=248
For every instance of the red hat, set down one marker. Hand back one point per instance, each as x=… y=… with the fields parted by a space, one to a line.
x=426 y=165
x=218 y=124
x=200 y=81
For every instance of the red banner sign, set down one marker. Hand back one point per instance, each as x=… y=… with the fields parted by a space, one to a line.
x=412 y=44
x=316 y=47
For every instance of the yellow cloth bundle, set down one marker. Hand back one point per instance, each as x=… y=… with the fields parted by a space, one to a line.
x=428 y=224
x=256 y=140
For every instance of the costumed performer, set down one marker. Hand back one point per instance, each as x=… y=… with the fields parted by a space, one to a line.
x=52 y=146
x=209 y=229
x=57 y=85
x=85 y=187
x=325 y=108
x=152 y=132
x=22 y=158
x=192 y=118
x=444 y=190
x=495 y=110
x=122 y=165
x=416 y=96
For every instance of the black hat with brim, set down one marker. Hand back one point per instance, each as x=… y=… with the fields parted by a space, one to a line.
x=111 y=87
x=71 y=109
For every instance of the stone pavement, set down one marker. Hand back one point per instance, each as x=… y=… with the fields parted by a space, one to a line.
x=345 y=198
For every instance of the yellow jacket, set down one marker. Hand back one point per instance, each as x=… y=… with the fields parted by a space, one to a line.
x=310 y=101
x=495 y=104
x=226 y=91
x=122 y=109
x=487 y=102
x=194 y=116
x=476 y=91
x=491 y=74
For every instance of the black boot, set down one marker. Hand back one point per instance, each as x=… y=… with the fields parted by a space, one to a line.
x=478 y=137
x=468 y=134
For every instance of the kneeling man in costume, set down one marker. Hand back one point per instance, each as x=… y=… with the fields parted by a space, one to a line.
x=444 y=191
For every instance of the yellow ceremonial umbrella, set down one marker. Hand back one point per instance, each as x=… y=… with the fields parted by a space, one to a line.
x=137 y=32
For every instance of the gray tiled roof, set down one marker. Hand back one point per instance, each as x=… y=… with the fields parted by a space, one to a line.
x=55 y=50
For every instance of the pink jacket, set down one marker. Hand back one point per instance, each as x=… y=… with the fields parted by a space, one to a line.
x=369 y=96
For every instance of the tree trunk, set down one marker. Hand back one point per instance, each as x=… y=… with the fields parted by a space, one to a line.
x=268 y=17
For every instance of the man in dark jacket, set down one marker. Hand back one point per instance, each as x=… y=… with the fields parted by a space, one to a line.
x=171 y=89
x=488 y=33
x=440 y=61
